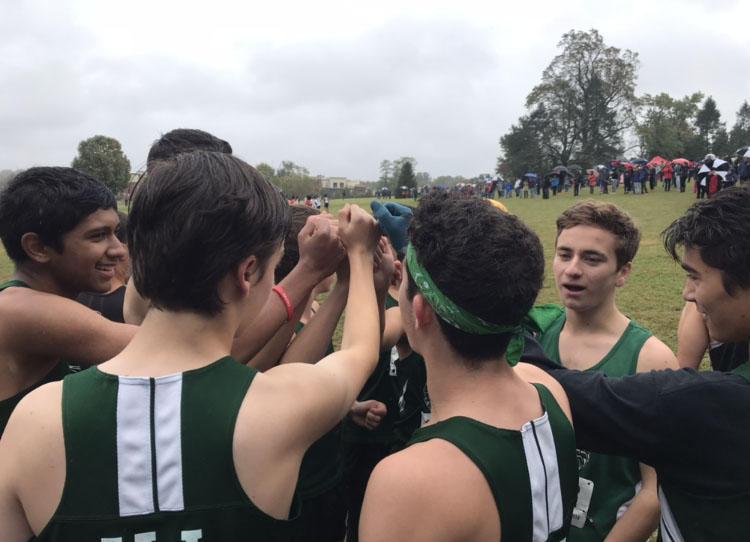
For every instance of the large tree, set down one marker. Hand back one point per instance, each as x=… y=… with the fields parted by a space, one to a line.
x=739 y=136
x=588 y=94
x=102 y=157
x=523 y=150
x=667 y=126
x=708 y=123
x=406 y=176
x=289 y=168
x=267 y=170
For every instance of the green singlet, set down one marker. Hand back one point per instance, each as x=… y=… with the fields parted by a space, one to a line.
x=531 y=472
x=7 y=406
x=615 y=479
x=150 y=460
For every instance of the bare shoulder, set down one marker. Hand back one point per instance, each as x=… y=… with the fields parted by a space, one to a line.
x=429 y=491
x=37 y=415
x=656 y=356
x=535 y=375
x=34 y=432
x=32 y=454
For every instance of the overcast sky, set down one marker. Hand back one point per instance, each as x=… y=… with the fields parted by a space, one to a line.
x=336 y=86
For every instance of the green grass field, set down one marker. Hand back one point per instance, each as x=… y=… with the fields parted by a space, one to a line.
x=652 y=296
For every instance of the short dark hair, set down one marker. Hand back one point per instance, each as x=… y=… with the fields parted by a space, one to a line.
x=718 y=228
x=48 y=201
x=483 y=259
x=604 y=215
x=193 y=219
x=300 y=214
x=185 y=140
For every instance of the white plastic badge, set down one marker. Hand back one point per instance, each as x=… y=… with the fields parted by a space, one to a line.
x=585 y=490
x=394 y=358
x=425 y=418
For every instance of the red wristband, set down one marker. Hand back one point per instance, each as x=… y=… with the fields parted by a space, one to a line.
x=287 y=303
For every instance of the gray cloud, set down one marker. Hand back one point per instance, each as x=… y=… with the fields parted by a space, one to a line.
x=441 y=88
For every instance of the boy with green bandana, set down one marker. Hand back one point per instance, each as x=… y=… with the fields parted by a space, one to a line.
x=58 y=226
x=161 y=443
x=497 y=459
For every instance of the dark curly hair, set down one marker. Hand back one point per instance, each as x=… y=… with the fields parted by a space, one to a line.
x=486 y=261
x=719 y=228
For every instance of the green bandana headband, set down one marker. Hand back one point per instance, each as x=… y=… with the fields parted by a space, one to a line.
x=538 y=318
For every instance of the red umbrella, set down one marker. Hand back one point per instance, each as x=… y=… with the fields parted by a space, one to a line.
x=681 y=161
x=657 y=160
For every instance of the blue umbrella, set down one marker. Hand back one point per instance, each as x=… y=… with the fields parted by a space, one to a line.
x=530 y=175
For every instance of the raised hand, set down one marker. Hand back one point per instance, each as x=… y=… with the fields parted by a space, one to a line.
x=358 y=230
x=384 y=266
x=368 y=414
x=320 y=248
x=394 y=220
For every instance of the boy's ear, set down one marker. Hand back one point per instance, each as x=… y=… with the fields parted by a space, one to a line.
x=423 y=313
x=245 y=273
x=623 y=275
x=35 y=248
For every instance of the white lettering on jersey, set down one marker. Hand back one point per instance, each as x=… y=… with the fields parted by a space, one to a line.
x=185 y=536
x=192 y=536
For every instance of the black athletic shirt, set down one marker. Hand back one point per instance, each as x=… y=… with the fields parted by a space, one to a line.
x=678 y=422
x=108 y=305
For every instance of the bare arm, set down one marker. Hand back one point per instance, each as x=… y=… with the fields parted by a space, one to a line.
x=641 y=518
x=393 y=329
x=692 y=337
x=269 y=355
x=310 y=344
x=320 y=253
x=329 y=388
x=656 y=356
x=40 y=325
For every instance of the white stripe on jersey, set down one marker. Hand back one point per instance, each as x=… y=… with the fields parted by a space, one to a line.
x=168 y=432
x=670 y=532
x=544 y=477
x=134 y=482
x=134 y=479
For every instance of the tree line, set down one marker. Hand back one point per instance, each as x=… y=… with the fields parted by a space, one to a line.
x=585 y=111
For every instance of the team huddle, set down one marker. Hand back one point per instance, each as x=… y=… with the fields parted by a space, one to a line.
x=217 y=409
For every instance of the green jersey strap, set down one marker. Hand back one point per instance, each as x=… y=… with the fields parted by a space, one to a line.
x=743 y=370
x=532 y=472
x=14 y=284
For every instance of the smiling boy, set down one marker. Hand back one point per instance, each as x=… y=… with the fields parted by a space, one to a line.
x=679 y=422
x=58 y=227
x=172 y=439
x=594 y=251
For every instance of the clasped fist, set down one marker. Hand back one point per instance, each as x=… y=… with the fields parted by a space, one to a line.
x=320 y=247
x=358 y=230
